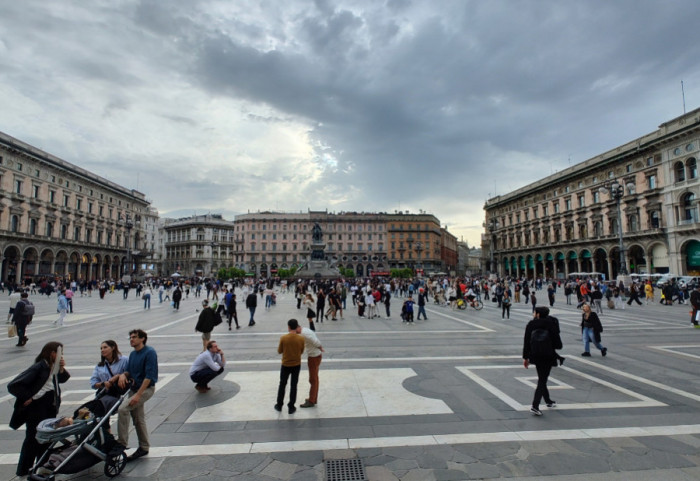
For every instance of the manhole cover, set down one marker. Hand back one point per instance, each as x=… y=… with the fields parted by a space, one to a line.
x=345 y=470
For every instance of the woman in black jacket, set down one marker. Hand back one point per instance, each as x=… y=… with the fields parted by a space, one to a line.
x=591 y=327
x=38 y=394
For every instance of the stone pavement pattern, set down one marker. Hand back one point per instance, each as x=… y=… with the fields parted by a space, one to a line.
x=445 y=399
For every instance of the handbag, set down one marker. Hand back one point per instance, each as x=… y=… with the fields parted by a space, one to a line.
x=11 y=331
x=114 y=389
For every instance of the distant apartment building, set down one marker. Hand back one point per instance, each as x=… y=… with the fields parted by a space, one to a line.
x=565 y=223
x=58 y=219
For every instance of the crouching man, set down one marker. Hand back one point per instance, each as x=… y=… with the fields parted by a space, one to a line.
x=207 y=366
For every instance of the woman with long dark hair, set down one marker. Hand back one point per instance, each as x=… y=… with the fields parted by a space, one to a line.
x=111 y=363
x=38 y=396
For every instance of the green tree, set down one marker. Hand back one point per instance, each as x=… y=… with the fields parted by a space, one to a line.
x=347 y=273
x=405 y=273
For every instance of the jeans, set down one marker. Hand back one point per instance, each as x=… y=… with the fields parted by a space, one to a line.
x=252 y=314
x=285 y=372
x=160 y=296
x=61 y=317
x=146 y=301
x=204 y=376
x=588 y=337
x=543 y=370
x=421 y=310
x=268 y=301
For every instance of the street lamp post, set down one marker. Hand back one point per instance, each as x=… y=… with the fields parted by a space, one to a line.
x=617 y=192
x=493 y=225
x=129 y=224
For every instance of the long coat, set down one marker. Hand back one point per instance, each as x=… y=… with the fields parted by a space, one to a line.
x=27 y=384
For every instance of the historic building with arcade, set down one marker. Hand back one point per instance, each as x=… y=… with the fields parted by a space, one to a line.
x=647 y=190
x=59 y=220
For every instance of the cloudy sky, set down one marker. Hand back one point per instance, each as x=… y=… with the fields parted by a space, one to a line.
x=230 y=106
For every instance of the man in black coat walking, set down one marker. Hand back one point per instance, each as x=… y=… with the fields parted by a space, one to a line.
x=539 y=348
x=251 y=303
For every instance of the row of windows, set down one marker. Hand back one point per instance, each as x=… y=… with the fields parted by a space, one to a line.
x=62 y=182
x=78 y=233
x=686 y=170
x=337 y=226
x=568 y=204
x=66 y=201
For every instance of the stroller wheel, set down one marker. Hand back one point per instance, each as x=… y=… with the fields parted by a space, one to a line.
x=114 y=464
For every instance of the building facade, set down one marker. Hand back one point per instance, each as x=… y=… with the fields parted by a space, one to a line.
x=270 y=241
x=571 y=221
x=262 y=243
x=197 y=246
x=59 y=220
x=415 y=242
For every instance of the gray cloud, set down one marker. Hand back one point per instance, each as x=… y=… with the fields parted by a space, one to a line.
x=343 y=105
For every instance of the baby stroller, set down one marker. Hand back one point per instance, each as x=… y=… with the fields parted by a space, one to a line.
x=79 y=446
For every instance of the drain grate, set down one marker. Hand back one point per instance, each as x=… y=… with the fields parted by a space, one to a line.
x=345 y=470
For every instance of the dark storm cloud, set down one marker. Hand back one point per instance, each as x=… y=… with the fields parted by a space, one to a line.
x=434 y=105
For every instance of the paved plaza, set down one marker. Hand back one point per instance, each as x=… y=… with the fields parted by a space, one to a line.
x=444 y=399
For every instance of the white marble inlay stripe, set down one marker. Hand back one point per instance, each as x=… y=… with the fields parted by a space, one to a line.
x=643 y=401
x=428 y=440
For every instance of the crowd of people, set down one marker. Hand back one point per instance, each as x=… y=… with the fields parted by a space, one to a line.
x=38 y=389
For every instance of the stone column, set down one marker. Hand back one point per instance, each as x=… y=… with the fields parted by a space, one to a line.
x=20 y=270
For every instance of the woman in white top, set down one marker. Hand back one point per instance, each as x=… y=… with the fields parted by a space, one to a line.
x=310 y=313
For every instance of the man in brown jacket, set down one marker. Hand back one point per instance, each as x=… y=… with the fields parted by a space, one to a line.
x=291 y=347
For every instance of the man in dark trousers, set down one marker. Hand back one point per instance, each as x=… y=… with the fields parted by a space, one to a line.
x=695 y=302
x=539 y=348
x=291 y=347
x=251 y=303
x=22 y=317
x=207 y=321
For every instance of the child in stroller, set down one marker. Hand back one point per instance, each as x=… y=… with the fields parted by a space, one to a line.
x=76 y=443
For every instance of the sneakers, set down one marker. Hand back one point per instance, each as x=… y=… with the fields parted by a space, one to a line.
x=535 y=411
x=604 y=351
x=307 y=404
x=552 y=404
x=586 y=354
x=278 y=407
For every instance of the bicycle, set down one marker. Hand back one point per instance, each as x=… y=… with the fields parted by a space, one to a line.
x=475 y=304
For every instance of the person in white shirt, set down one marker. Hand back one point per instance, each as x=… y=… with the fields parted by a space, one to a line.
x=314 y=351
x=371 y=308
x=207 y=366
x=14 y=297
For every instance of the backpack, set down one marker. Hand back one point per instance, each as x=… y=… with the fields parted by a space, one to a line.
x=541 y=344
x=28 y=308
